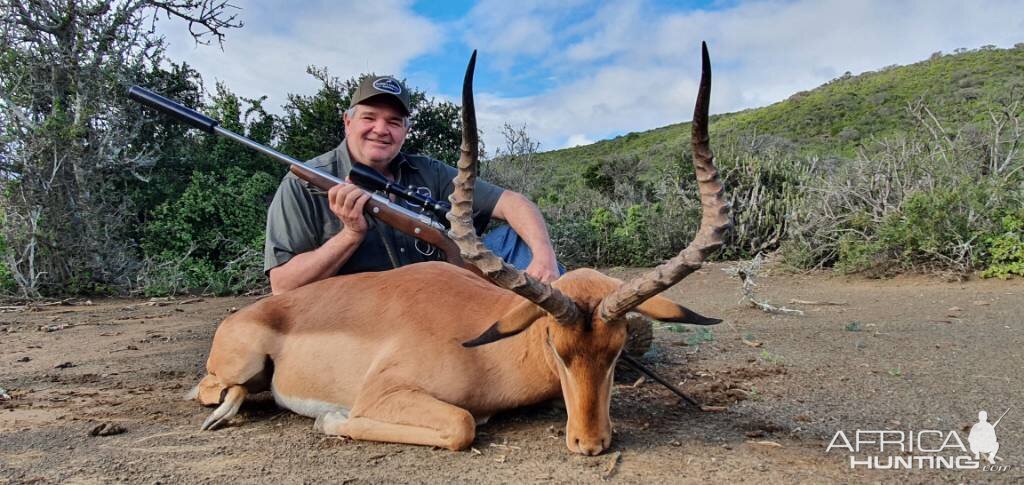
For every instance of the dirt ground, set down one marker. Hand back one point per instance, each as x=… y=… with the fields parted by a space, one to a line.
x=910 y=354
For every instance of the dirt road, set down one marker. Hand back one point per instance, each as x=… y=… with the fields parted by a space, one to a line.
x=910 y=354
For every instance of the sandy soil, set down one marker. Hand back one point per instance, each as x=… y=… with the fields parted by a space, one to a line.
x=911 y=354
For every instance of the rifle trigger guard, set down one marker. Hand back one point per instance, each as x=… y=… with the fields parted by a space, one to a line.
x=426 y=252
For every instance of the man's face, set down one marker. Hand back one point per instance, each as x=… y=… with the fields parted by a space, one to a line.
x=375 y=133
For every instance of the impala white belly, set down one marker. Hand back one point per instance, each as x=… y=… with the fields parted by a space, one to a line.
x=312 y=408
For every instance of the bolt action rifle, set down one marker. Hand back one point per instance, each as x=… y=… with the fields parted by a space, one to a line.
x=417 y=225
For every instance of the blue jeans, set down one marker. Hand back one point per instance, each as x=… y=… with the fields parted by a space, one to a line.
x=505 y=243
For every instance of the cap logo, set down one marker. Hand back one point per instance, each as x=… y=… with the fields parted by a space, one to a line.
x=388 y=85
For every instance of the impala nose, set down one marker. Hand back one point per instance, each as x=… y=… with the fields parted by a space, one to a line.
x=590 y=446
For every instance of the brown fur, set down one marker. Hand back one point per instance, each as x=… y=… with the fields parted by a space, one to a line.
x=387 y=346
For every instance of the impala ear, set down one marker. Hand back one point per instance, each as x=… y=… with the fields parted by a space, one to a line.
x=661 y=308
x=518 y=319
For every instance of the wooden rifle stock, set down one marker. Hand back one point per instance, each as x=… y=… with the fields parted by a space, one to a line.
x=406 y=221
x=419 y=226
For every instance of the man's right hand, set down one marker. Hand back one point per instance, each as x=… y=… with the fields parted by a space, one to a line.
x=347 y=202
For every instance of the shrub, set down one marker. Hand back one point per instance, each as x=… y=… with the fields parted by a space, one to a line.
x=938 y=229
x=636 y=235
x=764 y=181
x=1006 y=250
x=7 y=283
x=210 y=238
x=857 y=255
x=935 y=226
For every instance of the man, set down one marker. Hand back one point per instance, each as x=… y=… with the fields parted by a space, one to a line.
x=311 y=237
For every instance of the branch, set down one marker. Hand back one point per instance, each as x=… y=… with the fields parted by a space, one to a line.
x=25 y=18
x=747 y=272
x=209 y=17
x=13 y=109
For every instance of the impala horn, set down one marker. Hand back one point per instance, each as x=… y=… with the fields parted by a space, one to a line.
x=502 y=274
x=715 y=217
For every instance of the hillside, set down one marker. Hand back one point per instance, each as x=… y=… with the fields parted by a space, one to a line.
x=835 y=118
x=845 y=175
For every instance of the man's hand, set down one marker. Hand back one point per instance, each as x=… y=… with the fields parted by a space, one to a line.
x=544 y=269
x=525 y=219
x=347 y=202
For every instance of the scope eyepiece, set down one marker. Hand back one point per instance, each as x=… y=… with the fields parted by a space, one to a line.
x=370 y=179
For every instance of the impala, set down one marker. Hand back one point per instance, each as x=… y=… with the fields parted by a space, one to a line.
x=424 y=353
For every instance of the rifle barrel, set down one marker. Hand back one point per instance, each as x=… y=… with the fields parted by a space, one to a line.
x=1001 y=417
x=270 y=152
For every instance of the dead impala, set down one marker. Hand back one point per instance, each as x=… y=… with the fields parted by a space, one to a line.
x=423 y=353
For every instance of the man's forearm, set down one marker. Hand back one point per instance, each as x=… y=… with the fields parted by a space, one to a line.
x=526 y=220
x=315 y=265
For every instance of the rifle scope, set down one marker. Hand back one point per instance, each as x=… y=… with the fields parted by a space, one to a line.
x=370 y=179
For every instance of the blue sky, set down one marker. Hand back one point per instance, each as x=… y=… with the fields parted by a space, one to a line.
x=578 y=71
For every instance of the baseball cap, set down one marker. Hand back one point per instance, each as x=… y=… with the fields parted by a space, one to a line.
x=373 y=86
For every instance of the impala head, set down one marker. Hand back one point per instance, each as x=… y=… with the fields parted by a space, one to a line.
x=582 y=314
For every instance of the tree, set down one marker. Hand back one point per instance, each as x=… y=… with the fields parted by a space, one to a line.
x=70 y=142
x=312 y=125
x=514 y=165
x=207 y=233
x=436 y=129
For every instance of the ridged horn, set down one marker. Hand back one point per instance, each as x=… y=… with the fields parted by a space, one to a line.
x=715 y=218
x=561 y=307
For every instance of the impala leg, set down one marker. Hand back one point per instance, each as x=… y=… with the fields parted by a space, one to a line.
x=233 y=398
x=407 y=416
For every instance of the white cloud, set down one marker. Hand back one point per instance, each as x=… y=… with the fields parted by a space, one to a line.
x=577 y=140
x=613 y=100
x=509 y=30
x=631 y=66
x=605 y=68
x=270 y=54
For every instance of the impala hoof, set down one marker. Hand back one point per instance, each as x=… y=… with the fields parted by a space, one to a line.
x=211 y=423
x=329 y=423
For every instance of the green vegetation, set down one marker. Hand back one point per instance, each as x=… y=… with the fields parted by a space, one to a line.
x=1006 y=249
x=700 y=336
x=101 y=196
x=907 y=168
x=676 y=327
x=7 y=283
x=206 y=239
x=771 y=358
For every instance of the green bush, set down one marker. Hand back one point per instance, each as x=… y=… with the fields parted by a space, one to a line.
x=638 y=235
x=764 y=180
x=210 y=238
x=1006 y=250
x=934 y=225
x=857 y=255
x=932 y=229
x=7 y=283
